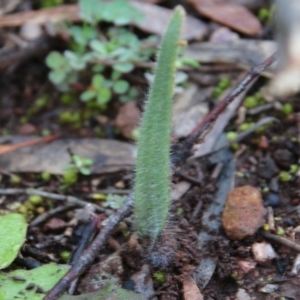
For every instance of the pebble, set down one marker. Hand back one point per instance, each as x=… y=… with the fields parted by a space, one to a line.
x=269 y=288
x=242 y=295
x=283 y=158
x=263 y=252
x=272 y=199
x=243 y=212
x=245 y=266
x=27 y=129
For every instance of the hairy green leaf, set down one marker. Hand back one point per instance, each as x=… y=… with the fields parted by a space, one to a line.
x=152 y=186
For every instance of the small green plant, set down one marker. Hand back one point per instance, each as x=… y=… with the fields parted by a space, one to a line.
x=223 y=84
x=294 y=168
x=253 y=101
x=152 y=182
x=231 y=135
x=100 y=60
x=79 y=165
x=159 y=276
x=50 y=3
x=246 y=126
x=117 y=49
x=285 y=176
x=266 y=14
x=287 y=108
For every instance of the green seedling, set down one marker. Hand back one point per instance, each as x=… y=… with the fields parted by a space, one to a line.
x=80 y=165
x=98 y=196
x=280 y=231
x=287 y=109
x=46 y=176
x=254 y=101
x=231 y=136
x=69 y=178
x=223 y=84
x=266 y=14
x=50 y=3
x=266 y=189
x=294 y=169
x=67 y=99
x=246 y=126
x=70 y=117
x=266 y=227
x=285 y=176
x=35 y=200
x=152 y=182
x=65 y=256
x=159 y=276
x=250 y=102
x=187 y=61
x=15 y=179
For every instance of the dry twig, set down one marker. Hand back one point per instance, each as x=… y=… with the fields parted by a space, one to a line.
x=69 y=199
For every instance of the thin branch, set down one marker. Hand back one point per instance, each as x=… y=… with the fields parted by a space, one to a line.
x=49 y=214
x=281 y=240
x=213 y=115
x=53 y=196
x=208 y=121
x=92 y=252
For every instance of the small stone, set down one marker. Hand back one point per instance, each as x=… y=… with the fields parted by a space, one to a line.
x=263 y=142
x=243 y=212
x=269 y=288
x=27 y=129
x=242 y=295
x=31 y=31
x=283 y=158
x=272 y=199
x=55 y=225
x=267 y=168
x=263 y=252
x=245 y=266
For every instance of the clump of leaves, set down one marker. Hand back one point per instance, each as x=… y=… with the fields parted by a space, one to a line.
x=254 y=101
x=118 y=50
x=223 y=84
x=152 y=182
x=104 y=58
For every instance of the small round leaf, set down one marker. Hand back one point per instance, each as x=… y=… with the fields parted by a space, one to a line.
x=55 y=60
x=57 y=76
x=104 y=96
x=121 y=86
x=123 y=67
x=97 y=81
x=88 y=95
